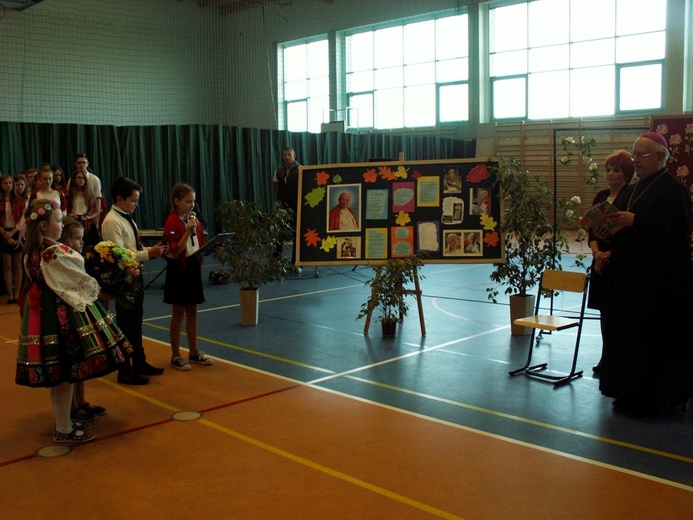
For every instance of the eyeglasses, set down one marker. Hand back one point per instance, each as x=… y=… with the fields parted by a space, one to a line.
x=81 y=162
x=634 y=156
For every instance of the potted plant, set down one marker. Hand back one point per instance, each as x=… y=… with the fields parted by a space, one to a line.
x=388 y=291
x=532 y=237
x=253 y=255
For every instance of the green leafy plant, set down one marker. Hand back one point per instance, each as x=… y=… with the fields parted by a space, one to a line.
x=533 y=238
x=251 y=256
x=388 y=288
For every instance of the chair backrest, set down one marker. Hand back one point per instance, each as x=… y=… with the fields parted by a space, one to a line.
x=570 y=281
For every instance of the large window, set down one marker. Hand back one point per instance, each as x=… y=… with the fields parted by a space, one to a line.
x=576 y=58
x=306 y=85
x=409 y=75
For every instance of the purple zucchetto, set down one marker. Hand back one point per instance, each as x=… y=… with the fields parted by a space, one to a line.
x=657 y=138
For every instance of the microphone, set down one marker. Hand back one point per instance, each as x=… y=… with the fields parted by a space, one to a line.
x=193 y=231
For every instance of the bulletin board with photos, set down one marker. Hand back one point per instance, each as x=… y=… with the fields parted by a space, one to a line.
x=449 y=211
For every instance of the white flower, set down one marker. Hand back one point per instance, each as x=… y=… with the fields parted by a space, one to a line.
x=580 y=256
x=587 y=158
x=569 y=213
x=581 y=234
x=576 y=200
x=564 y=160
x=594 y=167
x=582 y=138
x=569 y=140
x=591 y=180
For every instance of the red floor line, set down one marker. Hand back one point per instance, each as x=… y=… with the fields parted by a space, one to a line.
x=248 y=399
x=20 y=459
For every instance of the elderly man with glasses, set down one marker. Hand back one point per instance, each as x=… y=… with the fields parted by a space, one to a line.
x=648 y=355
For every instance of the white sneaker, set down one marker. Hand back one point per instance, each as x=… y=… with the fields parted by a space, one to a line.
x=201 y=358
x=180 y=363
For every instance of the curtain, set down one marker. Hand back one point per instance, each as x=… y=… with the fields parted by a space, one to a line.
x=219 y=162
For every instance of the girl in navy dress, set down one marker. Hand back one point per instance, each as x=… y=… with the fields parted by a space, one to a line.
x=183 y=286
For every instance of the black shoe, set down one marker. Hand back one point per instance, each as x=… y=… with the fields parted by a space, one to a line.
x=132 y=379
x=597 y=369
x=147 y=370
x=82 y=415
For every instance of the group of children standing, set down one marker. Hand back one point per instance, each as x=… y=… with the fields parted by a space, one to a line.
x=60 y=300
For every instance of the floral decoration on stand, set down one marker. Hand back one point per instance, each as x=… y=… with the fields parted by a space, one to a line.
x=117 y=270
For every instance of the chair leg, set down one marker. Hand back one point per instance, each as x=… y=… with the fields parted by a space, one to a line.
x=526 y=366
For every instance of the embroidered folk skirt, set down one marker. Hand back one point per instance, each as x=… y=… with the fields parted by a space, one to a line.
x=58 y=344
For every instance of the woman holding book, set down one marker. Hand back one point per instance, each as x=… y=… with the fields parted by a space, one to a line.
x=618 y=174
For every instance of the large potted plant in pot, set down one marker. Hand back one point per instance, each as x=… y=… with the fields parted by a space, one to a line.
x=253 y=254
x=531 y=235
x=389 y=291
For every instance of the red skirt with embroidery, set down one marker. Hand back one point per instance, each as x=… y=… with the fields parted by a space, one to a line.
x=60 y=345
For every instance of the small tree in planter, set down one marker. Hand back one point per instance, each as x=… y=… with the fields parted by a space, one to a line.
x=253 y=255
x=532 y=242
x=388 y=291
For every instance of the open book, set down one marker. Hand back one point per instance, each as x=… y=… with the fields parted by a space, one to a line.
x=208 y=248
x=596 y=216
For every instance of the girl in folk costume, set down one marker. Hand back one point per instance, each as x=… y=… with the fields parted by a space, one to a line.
x=11 y=218
x=66 y=335
x=183 y=286
x=83 y=206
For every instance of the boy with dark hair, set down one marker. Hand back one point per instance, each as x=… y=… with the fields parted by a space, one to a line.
x=120 y=228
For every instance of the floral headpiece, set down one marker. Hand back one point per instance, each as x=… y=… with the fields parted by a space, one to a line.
x=49 y=206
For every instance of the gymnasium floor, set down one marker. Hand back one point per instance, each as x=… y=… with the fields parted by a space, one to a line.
x=303 y=416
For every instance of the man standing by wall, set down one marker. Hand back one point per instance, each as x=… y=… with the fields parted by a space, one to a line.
x=285 y=186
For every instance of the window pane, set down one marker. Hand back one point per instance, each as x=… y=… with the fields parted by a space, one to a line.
x=361 y=111
x=388 y=47
x=643 y=47
x=389 y=78
x=508 y=28
x=419 y=42
x=318 y=59
x=452 y=37
x=297 y=117
x=641 y=87
x=509 y=98
x=591 y=19
x=453 y=103
x=319 y=87
x=596 y=52
x=423 y=74
x=549 y=95
x=319 y=112
x=592 y=92
x=389 y=111
x=295 y=65
x=453 y=70
x=420 y=106
x=296 y=90
x=549 y=58
x=549 y=22
x=360 y=81
x=638 y=16
x=359 y=50
x=509 y=63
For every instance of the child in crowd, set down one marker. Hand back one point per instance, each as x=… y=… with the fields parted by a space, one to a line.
x=73 y=236
x=21 y=187
x=183 y=286
x=83 y=206
x=43 y=189
x=59 y=180
x=66 y=335
x=119 y=227
x=11 y=219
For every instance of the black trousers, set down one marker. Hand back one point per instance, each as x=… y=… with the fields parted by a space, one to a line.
x=130 y=322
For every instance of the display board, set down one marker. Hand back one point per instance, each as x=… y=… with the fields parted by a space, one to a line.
x=369 y=212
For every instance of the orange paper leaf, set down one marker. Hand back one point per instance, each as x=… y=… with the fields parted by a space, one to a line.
x=491 y=239
x=312 y=238
x=370 y=175
x=322 y=178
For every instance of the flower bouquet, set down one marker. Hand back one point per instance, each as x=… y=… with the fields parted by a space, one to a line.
x=117 y=270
